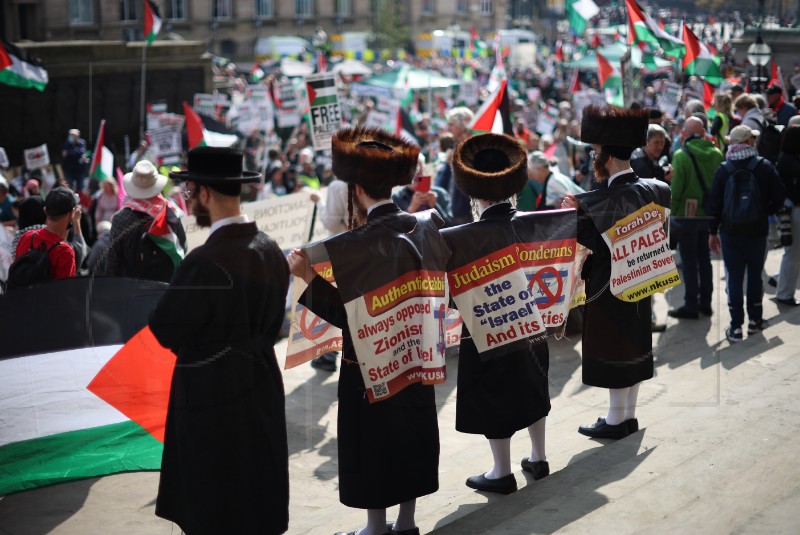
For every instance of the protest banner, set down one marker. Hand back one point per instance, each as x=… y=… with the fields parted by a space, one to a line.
x=3 y=158
x=37 y=157
x=165 y=141
x=509 y=294
x=286 y=219
x=396 y=303
x=309 y=335
x=469 y=92
x=323 y=109
x=288 y=114
x=547 y=120
x=641 y=260
x=667 y=100
x=581 y=99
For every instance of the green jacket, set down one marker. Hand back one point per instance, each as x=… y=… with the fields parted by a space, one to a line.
x=685 y=184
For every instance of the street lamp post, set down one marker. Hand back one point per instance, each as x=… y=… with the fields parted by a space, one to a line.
x=759 y=55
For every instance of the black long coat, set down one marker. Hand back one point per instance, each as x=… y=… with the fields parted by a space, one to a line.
x=500 y=396
x=388 y=450
x=617 y=337
x=225 y=465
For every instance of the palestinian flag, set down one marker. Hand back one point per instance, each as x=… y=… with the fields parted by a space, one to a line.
x=102 y=159
x=596 y=43
x=405 y=128
x=321 y=91
x=152 y=21
x=699 y=60
x=86 y=395
x=200 y=136
x=162 y=233
x=708 y=98
x=322 y=63
x=579 y=12
x=574 y=83
x=495 y=113
x=559 y=55
x=19 y=69
x=642 y=28
x=610 y=80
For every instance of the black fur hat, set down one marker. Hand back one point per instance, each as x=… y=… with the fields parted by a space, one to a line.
x=613 y=126
x=373 y=156
x=492 y=167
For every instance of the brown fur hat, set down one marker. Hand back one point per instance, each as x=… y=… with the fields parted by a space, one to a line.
x=373 y=156
x=610 y=125
x=491 y=167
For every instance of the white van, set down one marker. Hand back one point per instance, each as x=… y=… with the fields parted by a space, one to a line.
x=281 y=46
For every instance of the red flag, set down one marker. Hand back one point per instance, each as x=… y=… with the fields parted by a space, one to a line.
x=775 y=79
x=559 y=51
x=596 y=43
x=322 y=64
x=550 y=151
x=575 y=82
x=5 y=59
x=194 y=126
x=661 y=22
x=708 y=95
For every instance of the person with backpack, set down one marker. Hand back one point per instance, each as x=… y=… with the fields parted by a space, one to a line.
x=146 y=214
x=745 y=191
x=43 y=254
x=694 y=166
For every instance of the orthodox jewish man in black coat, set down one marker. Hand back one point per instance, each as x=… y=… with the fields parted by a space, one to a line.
x=617 y=338
x=499 y=394
x=225 y=466
x=388 y=449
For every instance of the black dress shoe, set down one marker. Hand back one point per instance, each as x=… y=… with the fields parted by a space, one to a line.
x=539 y=469
x=683 y=313
x=390 y=528
x=326 y=362
x=633 y=425
x=792 y=302
x=503 y=485
x=706 y=311
x=354 y=532
x=600 y=429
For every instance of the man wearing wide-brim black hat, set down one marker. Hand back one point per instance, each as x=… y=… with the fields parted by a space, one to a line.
x=617 y=337
x=509 y=392
x=388 y=450
x=225 y=463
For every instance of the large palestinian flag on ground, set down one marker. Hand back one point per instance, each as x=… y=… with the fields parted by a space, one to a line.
x=85 y=393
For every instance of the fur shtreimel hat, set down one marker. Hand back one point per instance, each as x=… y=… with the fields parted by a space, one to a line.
x=371 y=156
x=492 y=167
x=613 y=126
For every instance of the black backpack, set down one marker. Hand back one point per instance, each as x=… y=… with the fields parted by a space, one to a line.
x=32 y=267
x=742 y=212
x=769 y=142
x=148 y=261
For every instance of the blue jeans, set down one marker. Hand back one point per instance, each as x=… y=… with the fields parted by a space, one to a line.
x=744 y=254
x=698 y=278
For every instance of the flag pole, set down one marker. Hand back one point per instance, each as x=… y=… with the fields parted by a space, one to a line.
x=141 y=103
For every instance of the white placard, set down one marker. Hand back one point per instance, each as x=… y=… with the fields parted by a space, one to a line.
x=37 y=157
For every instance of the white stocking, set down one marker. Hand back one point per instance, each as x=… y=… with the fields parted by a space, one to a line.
x=536 y=431
x=501 y=453
x=618 y=400
x=405 y=517
x=630 y=404
x=376 y=523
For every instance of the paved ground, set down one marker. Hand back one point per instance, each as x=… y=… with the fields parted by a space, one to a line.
x=718 y=452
